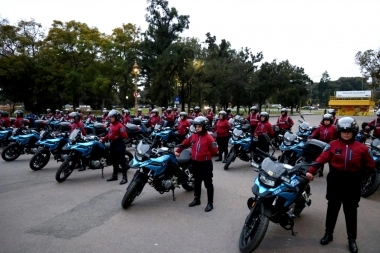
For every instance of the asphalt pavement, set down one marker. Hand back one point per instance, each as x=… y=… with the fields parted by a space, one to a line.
x=84 y=214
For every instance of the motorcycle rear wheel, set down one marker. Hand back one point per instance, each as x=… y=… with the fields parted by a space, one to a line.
x=229 y=159
x=65 y=170
x=39 y=160
x=371 y=185
x=131 y=194
x=253 y=231
x=11 y=152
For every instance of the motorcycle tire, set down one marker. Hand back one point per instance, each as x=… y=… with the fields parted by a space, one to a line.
x=300 y=202
x=189 y=186
x=229 y=159
x=253 y=231
x=127 y=158
x=133 y=190
x=65 y=170
x=39 y=160
x=370 y=185
x=11 y=152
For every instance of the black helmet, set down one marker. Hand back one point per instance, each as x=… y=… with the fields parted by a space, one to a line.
x=19 y=113
x=115 y=113
x=223 y=113
x=184 y=114
x=265 y=115
x=4 y=114
x=75 y=116
x=201 y=121
x=331 y=111
x=284 y=110
x=254 y=108
x=347 y=124
x=328 y=116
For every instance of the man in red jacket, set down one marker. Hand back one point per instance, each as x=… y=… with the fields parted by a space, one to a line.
x=203 y=147
x=154 y=119
x=19 y=121
x=209 y=114
x=170 y=117
x=253 y=118
x=349 y=161
x=5 y=121
x=263 y=127
x=374 y=125
x=182 y=126
x=222 y=129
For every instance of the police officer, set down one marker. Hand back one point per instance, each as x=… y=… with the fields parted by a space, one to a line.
x=327 y=131
x=154 y=119
x=197 y=112
x=229 y=113
x=253 y=118
x=19 y=121
x=57 y=115
x=375 y=125
x=284 y=123
x=105 y=115
x=209 y=114
x=263 y=127
x=127 y=117
x=90 y=115
x=116 y=134
x=49 y=114
x=349 y=161
x=182 y=126
x=77 y=124
x=203 y=148
x=170 y=117
x=32 y=119
x=222 y=130
x=5 y=121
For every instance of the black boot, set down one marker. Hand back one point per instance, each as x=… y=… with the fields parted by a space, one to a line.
x=124 y=180
x=196 y=202
x=352 y=245
x=83 y=167
x=113 y=178
x=218 y=159
x=209 y=207
x=327 y=238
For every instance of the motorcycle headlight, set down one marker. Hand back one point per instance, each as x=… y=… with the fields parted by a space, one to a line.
x=268 y=182
x=375 y=152
x=287 y=142
x=285 y=179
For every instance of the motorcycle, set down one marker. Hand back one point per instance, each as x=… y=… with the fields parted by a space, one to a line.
x=94 y=128
x=5 y=133
x=161 y=169
x=372 y=180
x=87 y=150
x=49 y=144
x=241 y=147
x=162 y=136
x=291 y=148
x=21 y=141
x=281 y=192
x=304 y=129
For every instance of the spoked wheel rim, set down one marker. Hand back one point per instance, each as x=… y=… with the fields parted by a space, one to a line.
x=12 y=152
x=250 y=228
x=368 y=183
x=40 y=161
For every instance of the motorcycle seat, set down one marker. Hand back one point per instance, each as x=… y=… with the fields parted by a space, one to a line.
x=184 y=157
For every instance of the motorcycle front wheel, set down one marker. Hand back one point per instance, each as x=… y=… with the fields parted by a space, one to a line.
x=133 y=191
x=66 y=168
x=39 y=160
x=253 y=231
x=370 y=185
x=229 y=159
x=11 y=152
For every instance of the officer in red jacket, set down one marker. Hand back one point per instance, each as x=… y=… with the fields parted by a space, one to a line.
x=209 y=114
x=222 y=130
x=327 y=131
x=263 y=127
x=183 y=126
x=253 y=118
x=154 y=119
x=19 y=121
x=76 y=123
x=197 y=112
x=169 y=117
x=57 y=115
x=203 y=147
x=90 y=115
x=229 y=113
x=67 y=115
x=5 y=121
x=191 y=114
x=49 y=114
x=349 y=161
x=105 y=115
x=175 y=112
x=374 y=125
x=127 y=117
x=116 y=133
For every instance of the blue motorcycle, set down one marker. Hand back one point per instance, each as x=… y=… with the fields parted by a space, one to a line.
x=23 y=143
x=371 y=181
x=49 y=144
x=5 y=133
x=291 y=148
x=281 y=192
x=87 y=150
x=161 y=169
x=162 y=136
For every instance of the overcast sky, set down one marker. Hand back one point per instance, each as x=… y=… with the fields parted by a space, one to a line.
x=320 y=35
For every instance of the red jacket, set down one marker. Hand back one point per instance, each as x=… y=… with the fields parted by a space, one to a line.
x=376 y=128
x=19 y=122
x=79 y=125
x=350 y=157
x=126 y=119
x=264 y=128
x=203 y=147
x=91 y=117
x=325 y=133
x=222 y=128
x=57 y=116
x=153 y=120
x=210 y=115
x=182 y=126
x=230 y=115
x=253 y=118
x=5 y=122
x=285 y=122
x=116 y=130
x=170 y=117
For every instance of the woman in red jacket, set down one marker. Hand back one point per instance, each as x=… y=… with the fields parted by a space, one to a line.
x=222 y=129
x=263 y=127
x=203 y=147
x=349 y=161
x=182 y=127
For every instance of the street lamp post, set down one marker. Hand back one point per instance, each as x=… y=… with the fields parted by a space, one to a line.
x=136 y=70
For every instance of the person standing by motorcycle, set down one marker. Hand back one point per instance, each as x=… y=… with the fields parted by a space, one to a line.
x=333 y=113
x=169 y=117
x=32 y=119
x=5 y=121
x=209 y=114
x=203 y=147
x=182 y=127
x=127 y=117
x=49 y=114
x=349 y=162
x=19 y=121
x=253 y=118
x=263 y=127
x=105 y=115
x=374 y=125
x=191 y=114
x=140 y=115
x=284 y=123
x=67 y=115
x=77 y=124
x=57 y=115
x=197 y=112
x=222 y=130
x=154 y=119
x=175 y=112
x=90 y=115
x=116 y=134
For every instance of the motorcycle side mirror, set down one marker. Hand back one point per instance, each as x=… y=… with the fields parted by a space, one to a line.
x=302 y=117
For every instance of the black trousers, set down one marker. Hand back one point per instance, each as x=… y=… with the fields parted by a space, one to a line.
x=343 y=188
x=222 y=146
x=117 y=153
x=203 y=172
x=261 y=143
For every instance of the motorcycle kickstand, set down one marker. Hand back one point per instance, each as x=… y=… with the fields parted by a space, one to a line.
x=173 y=194
x=102 y=173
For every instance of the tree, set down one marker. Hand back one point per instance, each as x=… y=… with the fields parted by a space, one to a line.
x=369 y=62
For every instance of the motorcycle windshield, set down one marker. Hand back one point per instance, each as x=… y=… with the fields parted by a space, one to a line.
x=237 y=132
x=74 y=134
x=142 y=148
x=375 y=144
x=304 y=127
x=290 y=137
x=157 y=127
x=272 y=168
